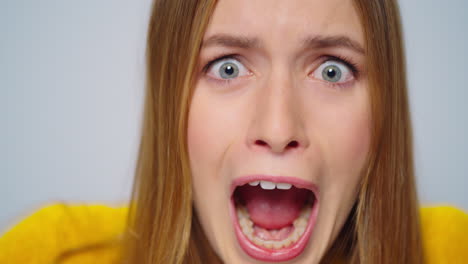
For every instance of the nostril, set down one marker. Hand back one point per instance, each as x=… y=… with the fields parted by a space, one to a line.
x=292 y=144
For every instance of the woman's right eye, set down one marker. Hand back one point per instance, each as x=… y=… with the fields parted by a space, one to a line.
x=227 y=69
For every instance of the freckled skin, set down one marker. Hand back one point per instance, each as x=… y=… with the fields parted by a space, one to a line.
x=278 y=102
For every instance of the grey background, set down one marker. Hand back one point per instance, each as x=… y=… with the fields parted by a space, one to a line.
x=71 y=79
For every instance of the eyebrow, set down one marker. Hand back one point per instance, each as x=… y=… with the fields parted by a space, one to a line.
x=317 y=42
x=231 y=41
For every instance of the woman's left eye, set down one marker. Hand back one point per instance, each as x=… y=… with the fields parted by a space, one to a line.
x=227 y=69
x=333 y=71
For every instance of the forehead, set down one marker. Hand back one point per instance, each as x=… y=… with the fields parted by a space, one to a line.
x=286 y=22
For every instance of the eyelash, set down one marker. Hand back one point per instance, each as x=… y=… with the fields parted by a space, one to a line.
x=218 y=58
x=347 y=61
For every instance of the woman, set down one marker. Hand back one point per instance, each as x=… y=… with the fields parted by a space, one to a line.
x=308 y=94
x=275 y=131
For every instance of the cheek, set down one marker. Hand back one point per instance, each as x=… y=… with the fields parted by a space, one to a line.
x=208 y=134
x=204 y=143
x=215 y=123
x=343 y=133
x=350 y=141
x=213 y=126
x=340 y=127
x=202 y=148
x=349 y=144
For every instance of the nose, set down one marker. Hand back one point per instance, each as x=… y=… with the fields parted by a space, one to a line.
x=277 y=124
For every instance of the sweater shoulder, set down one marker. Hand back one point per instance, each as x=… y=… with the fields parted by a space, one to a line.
x=444 y=234
x=57 y=230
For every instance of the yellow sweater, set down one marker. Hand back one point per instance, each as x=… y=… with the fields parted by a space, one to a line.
x=59 y=229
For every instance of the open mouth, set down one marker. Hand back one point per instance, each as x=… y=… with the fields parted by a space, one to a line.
x=273 y=216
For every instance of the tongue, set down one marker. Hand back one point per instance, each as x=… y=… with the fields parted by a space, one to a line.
x=273 y=209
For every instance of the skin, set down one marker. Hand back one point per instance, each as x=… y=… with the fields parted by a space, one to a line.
x=246 y=126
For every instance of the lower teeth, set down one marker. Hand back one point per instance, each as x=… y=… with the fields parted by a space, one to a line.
x=247 y=227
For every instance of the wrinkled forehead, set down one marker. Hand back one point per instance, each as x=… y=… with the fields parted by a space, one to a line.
x=279 y=24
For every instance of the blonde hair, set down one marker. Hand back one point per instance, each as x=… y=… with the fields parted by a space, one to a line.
x=383 y=226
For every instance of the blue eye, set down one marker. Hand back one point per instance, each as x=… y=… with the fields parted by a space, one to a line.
x=333 y=72
x=226 y=69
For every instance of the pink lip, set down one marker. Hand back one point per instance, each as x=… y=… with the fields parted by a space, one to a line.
x=274 y=255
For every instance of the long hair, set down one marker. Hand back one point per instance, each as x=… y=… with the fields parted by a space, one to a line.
x=383 y=226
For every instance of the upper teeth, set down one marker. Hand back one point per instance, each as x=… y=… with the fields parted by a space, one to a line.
x=267 y=185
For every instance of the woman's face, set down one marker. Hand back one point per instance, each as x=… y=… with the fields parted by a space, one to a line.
x=279 y=127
